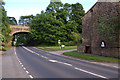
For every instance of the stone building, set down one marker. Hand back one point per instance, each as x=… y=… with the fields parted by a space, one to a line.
x=92 y=40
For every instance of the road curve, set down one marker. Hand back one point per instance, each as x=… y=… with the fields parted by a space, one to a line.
x=40 y=64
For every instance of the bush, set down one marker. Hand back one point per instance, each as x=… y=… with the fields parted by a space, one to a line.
x=70 y=43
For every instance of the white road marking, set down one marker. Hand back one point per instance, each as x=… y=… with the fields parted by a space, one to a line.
x=53 y=61
x=24 y=68
x=38 y=54
x=30 y=51
x=104 y=64
x=60 y=62
x=115 y=66
x=64 y=63
x=30 y=76
x=45 y=57
x=19 y=61
x=79 y=59
x=42 y=56
x=15 y=53
x=27 y=72
x=34 y=52
x=68 y=64
x=22 y=65
x=90 y=73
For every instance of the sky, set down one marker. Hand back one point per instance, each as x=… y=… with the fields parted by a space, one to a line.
x=17 y=8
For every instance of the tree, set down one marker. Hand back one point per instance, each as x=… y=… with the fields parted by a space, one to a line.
x=76 y=15
x=77 y=37
x=54 y=6
x=67 y=10
x=46 y=29
x=22 y=39
x=4 y=24
x=12 y=21
x=25 y=20
x=57 y=23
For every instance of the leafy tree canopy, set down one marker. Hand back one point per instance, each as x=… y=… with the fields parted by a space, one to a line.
x=12 y=21
x=56 y=23
x=5 y=29
x=24 y=20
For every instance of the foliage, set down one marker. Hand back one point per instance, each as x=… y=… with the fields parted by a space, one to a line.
x=12 y=21
x=108 y=27
x=1 y=38
x=78 y=37
x=22 y=38
x=24 y=20
x=70 y=43
x=56 y=23
x=4 y=25
x=47 y=29
x=76 y=15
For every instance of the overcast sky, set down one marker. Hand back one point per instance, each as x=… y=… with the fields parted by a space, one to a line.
x=17 y=8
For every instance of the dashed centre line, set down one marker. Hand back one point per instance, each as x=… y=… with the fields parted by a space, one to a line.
x=55 y=61
x=22 y=65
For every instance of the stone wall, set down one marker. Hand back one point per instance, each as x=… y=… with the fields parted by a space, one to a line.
x=91 y=38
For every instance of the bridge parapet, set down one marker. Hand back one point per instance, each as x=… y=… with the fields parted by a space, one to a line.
x=17 y=29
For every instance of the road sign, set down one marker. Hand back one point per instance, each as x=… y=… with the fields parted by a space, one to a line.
x=58 y=41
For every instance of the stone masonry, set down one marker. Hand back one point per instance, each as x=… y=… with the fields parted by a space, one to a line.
x=91 y=39
x=16 y=29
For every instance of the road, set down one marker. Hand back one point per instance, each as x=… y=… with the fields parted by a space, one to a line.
x=40 y=64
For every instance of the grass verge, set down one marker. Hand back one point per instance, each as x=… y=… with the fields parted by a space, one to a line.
x=91 y=57
x=56 y=48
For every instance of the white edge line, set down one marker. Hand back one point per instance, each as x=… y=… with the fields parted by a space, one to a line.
x=90 y=73
x=31 y=76
x=24 y=68
x=27 y=72
x=22 y=65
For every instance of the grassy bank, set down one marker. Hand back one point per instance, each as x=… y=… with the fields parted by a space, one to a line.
x=56 y=48
x=91 y=57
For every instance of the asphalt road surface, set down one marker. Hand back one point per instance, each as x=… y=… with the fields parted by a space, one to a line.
x=40 y=64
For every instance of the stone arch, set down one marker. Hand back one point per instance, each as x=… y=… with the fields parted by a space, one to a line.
x=18 y=29
x=17 y=32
